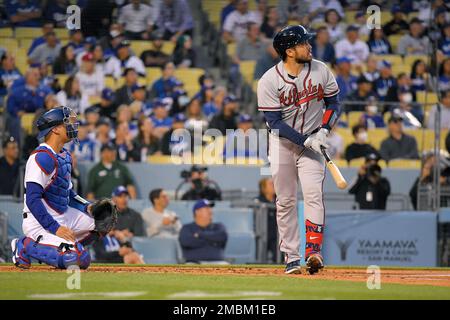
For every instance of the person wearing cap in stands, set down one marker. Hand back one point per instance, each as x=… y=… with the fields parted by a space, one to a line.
x=76 y=40
x=203 y=241
x=84 y=150
x=415 y=42
x=352 y=47
x=201 y=186
x=238 y=142
x=127 y=60
x=345 y=80
x=123 y=94
x=145 y=143
x=108 y=174
x=116 y=247
x=226 y=119
x=92 y=80
x=360 y=96
x=160 y=118
x=102 y=134
x=139 y=104
x=163 y=87
x=46 y=52
x=385 y=81
x=106 y=106
x=9 y=167
x=155 y=57
x=398 y=24
x=398 y=145
x=170 y=144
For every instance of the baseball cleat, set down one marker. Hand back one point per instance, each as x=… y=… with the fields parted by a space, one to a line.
x=293 y=267
x=314 y=263
x=19 y=257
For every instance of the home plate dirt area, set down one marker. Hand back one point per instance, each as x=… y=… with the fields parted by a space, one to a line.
x=414 y=276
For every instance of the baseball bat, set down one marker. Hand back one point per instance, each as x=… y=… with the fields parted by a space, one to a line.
x=335 y=172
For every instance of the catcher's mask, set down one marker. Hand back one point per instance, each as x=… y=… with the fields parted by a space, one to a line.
x=56 y=117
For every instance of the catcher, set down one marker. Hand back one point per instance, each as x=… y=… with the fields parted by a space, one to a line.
x=57 y=222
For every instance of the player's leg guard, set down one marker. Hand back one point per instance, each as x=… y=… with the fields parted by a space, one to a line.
x=60 y=257
x=19 y=256
x=313 y=257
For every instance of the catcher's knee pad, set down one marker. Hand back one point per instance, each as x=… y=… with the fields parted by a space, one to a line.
x=60 y=257
x=314 y=236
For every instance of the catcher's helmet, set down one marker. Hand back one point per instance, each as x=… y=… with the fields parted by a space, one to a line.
x=289 y=37
x=56 y=117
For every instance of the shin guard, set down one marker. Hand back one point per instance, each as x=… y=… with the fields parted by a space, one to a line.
x=314 y=235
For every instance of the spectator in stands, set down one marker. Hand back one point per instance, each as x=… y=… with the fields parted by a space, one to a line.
x=47 y=27
x=226 y=119
x=420 y=77
x=123 y=141
x=123 y=94
x=445 y=112
x=378 y=42
x=56 y=11
x=371 y=190
x=9 y=167
x=129 y=221
x=170 y=144
x=335 y=27
x=110 y=42
x=318 y=9
x=294 y=10
x=415 y=42
x=239 y=143
x=196 y=120
x=26 y=98
x=206 y=97
x=359 y=97
x=184 y=55
x=159 y=220
x=115 y=248
x=352 y=47
x=139 y=104
x=175 y=19
x=444 y=41
x=137 y=19
x=164 y=86
x=155 y=57
x=92 y=116
x=109 y=65
x=398 y=24
x=161 y=120
x=444 y=75
x=46 y=52
x=106 y=106
x=71 y=96
x=91 y=81
x=108 y=174
x=385 y=81
x=213 y=107
x=201 y=186
x=322 y=48
x=146 y=143
x=230 y=7
x=271 y=23
x=65 y=63
x=361 y=23
x=345 y=80
x=267 y=195
x=398 y=145
x=124 y=114
x=372 y=117
x=8 y=73
x=85 y=148
x=360 y=148
x=102 y=132
x=235 y=25
x=260 y=12
x=77 y=41
x=129 y=61
x=24 y=13
x=203 y=240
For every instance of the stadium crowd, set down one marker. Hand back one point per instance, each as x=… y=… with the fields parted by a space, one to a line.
x=96 y=71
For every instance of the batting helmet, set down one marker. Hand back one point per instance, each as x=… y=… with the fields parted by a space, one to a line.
x=289 y=37
x=56 y=117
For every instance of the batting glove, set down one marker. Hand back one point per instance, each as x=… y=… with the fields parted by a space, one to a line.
x=322 y=135
x=315 y=143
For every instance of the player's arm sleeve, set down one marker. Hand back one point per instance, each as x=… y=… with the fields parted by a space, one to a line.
x=330 y=97
x=78 y=202
x=34 y=192
x=275 y=122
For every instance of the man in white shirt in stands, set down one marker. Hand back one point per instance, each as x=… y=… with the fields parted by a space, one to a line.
x=127 y=60
x=235 y=24
x=352 y=47
x=91 y=79
x=137 y=19
x=160 y=221
x=445 y=112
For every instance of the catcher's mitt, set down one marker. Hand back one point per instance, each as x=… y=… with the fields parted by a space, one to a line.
x=105 y=215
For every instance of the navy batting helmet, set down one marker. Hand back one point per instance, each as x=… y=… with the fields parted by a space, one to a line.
x=56 y=117
x=289 y=37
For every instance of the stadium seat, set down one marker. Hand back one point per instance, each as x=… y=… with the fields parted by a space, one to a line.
x=111 y=83
x=427 y=98
x=158 y=250
x=350 y=16
x=6 y=33
x=356 y=163
x=162 y=159
x=346 y=134
x=62 y=33
x=231 y=49
x=138 y=204
x=25 y=43
x=189 y=77
x=247 y=69
x=394 y=40
x=26 y=122
x=376 y=136
x=9 y=44
x=153 y=74
x=29 y=33
x=14 y=210
x=425 y=138
x=241 y=248
x=62 y=78
x=235 y=220
x=400 y=68
x=404 y=164
x=341 y=163
x=353 y=118
x=410 y=59
x=394 y=59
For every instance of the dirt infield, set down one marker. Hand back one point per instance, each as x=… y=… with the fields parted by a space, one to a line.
x=433 y=277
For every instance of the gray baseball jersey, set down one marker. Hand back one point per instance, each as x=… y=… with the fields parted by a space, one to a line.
x=301 y=99
x=301 y=103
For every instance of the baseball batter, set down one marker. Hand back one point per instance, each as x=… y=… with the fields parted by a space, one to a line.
x=299 y=99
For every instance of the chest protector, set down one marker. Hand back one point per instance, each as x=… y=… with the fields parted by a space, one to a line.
x=56 y=194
